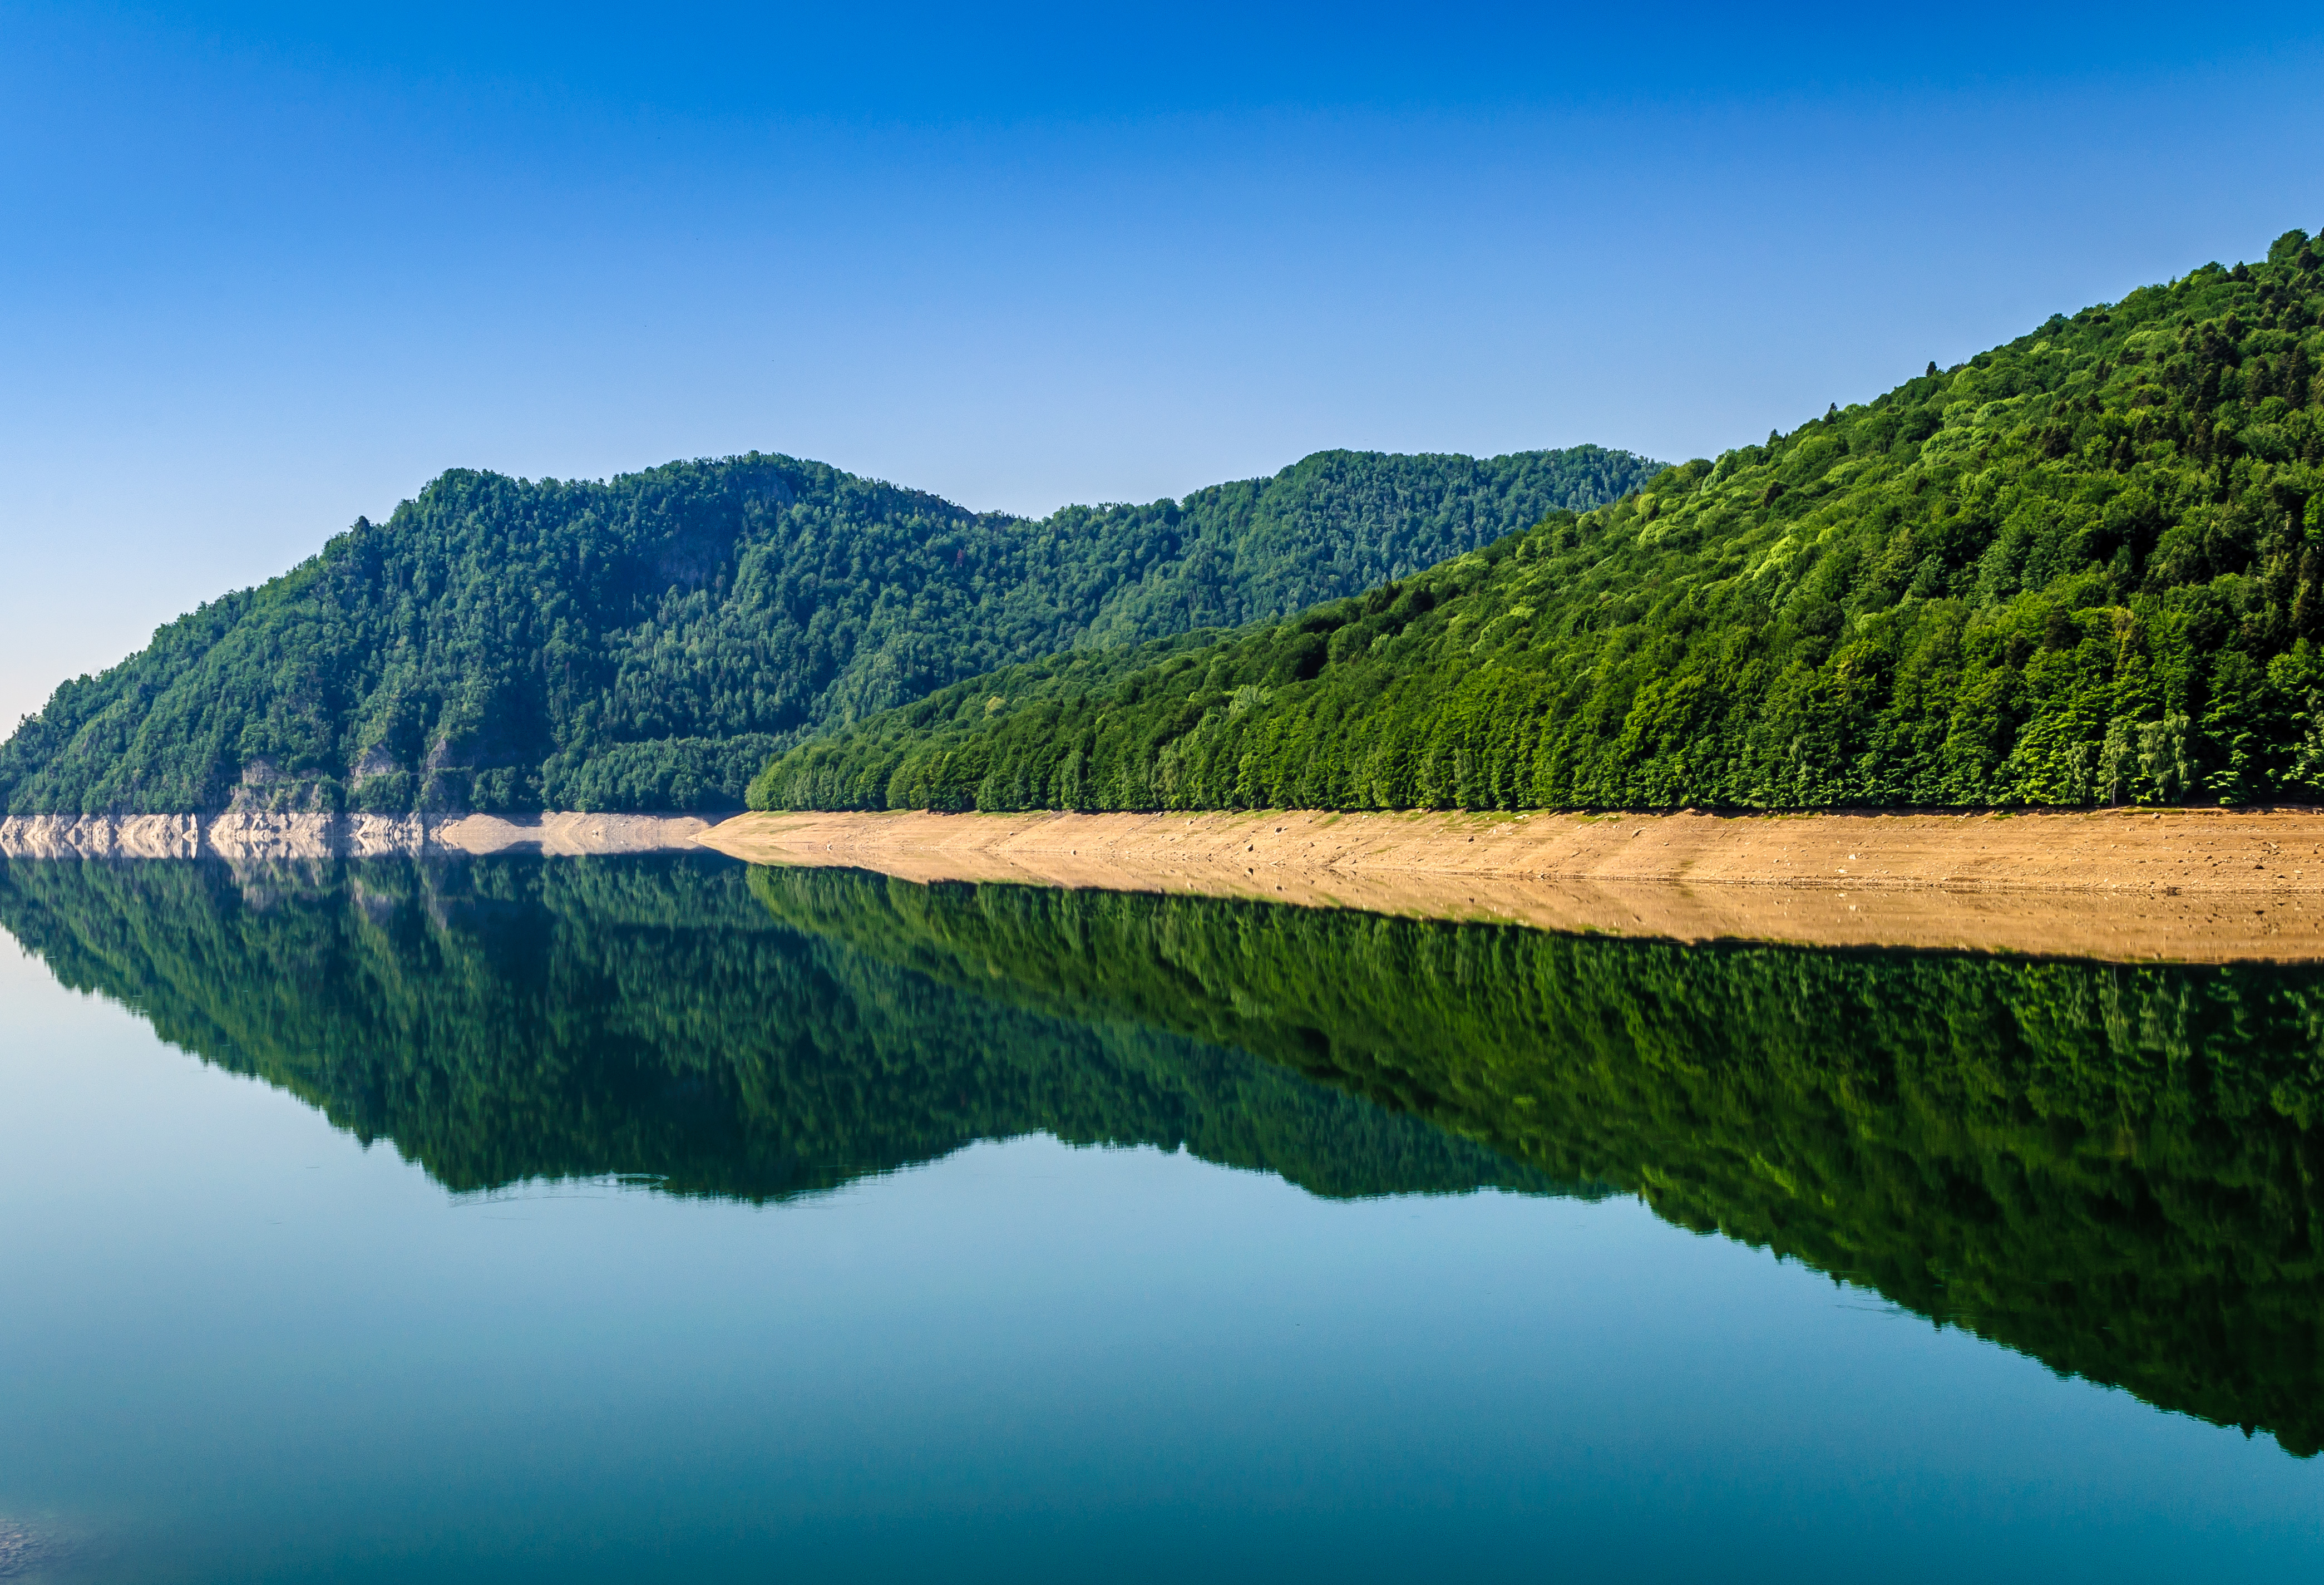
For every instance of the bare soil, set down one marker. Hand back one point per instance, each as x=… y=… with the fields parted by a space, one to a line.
x=2210 y=885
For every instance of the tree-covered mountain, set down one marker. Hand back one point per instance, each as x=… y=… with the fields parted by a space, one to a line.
x=649 y=642
x=2086 y=567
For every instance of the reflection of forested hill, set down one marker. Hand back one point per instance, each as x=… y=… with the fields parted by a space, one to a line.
x=2117 y=1170
x=502 y=1019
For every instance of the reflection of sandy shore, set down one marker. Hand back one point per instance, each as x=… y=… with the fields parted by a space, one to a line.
x=2190 y=884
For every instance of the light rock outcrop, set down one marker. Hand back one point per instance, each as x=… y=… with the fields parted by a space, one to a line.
x=249 y=834
x=134 y=836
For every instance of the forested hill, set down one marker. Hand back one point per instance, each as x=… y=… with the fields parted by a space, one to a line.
x=649 y=642
x=2082 y=568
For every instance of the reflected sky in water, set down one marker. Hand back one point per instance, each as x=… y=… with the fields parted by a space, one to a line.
x=237 y=1344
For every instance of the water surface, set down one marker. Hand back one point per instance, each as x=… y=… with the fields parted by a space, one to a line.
x=659 y=1219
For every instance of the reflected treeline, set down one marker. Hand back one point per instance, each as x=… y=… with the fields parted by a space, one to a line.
x=500 y=1020
x=2114 y=1169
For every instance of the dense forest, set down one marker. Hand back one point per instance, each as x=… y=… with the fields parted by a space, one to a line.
x=2114 y=1169
x=651 y=642
x=2086 y=567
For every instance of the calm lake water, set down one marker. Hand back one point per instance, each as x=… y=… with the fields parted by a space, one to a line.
x=638 y=1219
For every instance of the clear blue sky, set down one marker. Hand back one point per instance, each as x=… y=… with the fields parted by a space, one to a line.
x=268 y=268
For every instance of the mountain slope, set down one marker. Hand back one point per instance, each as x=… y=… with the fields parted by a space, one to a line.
x=650 y=641
x=2081 y=568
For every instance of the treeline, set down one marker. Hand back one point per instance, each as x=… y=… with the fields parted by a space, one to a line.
x=652 y=642
x=2086 y=567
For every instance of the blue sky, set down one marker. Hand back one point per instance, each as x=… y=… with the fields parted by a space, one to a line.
x=265 y=268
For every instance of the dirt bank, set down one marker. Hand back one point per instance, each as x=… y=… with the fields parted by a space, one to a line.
x=2189 y=885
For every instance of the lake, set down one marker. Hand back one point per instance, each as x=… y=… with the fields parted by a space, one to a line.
x=663 y=1218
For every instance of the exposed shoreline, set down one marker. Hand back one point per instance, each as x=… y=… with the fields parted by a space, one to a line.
x=246 y=835
x=2183 y=885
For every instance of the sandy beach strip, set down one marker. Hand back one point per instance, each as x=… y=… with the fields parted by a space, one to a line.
x=2185 y=885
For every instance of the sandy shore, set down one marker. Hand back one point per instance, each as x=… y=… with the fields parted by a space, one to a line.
x=2119 y=885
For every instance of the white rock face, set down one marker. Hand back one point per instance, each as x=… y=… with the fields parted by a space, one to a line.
x=135 y=836
x=244 y=834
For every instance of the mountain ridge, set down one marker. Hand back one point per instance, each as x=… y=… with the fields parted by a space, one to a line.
x=649 y=641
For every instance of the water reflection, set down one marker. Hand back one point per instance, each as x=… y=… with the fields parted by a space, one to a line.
x=2113 y=1169
x=506 y=1019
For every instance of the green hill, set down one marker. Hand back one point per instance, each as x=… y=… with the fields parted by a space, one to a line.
x=2082 y=568
x=648 y=642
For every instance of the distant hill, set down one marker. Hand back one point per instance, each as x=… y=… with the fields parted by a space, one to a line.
x=2086 y=567
x=649 y=642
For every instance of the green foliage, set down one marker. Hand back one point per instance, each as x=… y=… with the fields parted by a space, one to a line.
x=2084 y=567
x=508 y=1019
x=2119 y=1170
x=648 y=643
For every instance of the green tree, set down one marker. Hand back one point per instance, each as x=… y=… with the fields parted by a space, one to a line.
x=651 y=642
x=2080 y=567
